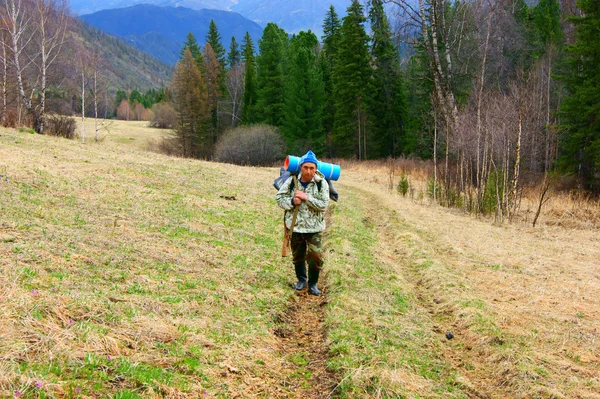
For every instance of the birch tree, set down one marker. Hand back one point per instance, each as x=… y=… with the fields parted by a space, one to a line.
x=51 y=22
x=18 y=23
x=231 y=107
x=4 y=58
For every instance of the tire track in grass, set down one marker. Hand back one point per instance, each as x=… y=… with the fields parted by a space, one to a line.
x=400 y=241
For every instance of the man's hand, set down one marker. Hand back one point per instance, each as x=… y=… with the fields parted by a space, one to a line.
x=299 y=197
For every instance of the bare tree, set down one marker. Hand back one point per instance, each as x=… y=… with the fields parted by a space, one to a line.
x=34 y=34
x=51 y=25
x=17 y=21
x=231 y=107
x=430 y=19
x=83 y=62
x=95 y=63
x=5 y=60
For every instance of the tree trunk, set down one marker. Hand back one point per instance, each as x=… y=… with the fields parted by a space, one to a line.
x=18 y=24
x=434 y=157
x=82 y=104
x=4 y=80
x=96 y=99
x=517 y=161
x=479 y=99
x=358 y=124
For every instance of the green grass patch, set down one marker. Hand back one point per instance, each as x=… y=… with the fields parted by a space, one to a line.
x=375 y=329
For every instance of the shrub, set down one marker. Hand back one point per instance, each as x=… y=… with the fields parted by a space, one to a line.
x=10 y=119
x=167 y=145
x=254 y=145
x=60 y=125
x=164 y=116
x=124 y=111
x=403 y=185
x=494 y=189
x=431 y=184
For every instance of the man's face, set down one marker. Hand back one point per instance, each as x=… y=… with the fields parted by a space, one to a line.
x=307 y=171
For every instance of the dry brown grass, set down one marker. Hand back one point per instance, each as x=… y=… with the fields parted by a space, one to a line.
x=128 y=272
x=566 y=208
x=523 y=303
x=133 y=135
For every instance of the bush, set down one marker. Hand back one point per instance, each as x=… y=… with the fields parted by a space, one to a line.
x=164 y=116
x=60 y=125
x=10 y=119
x=431 y=184
x=255 y=145
x=167 y=145
x=403 y=185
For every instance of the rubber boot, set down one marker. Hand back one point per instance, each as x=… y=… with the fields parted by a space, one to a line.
x=301 y=275
x=313 y=278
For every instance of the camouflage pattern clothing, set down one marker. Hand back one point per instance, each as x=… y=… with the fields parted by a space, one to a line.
x=307 y=247
x=311 y=213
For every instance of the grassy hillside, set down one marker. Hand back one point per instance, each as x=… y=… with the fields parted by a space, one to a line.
x=127 y=274
x=125 y=67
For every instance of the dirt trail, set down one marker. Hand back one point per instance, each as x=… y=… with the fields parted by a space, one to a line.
x=303 y=341
x=514 y=309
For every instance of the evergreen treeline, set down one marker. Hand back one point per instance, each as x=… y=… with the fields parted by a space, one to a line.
x=343 y=98
x=489 y=90
x=497 y=93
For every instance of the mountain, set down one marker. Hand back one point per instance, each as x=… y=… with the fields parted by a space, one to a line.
x=81 y=7
x=161 y=31
x=119 y=67
x=125 y=66
x=290 y=15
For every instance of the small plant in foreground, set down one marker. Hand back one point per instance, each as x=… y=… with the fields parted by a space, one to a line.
x=403 y=185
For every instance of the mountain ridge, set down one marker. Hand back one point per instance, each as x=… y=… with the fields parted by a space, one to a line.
x=161 y=31
x=290 y=15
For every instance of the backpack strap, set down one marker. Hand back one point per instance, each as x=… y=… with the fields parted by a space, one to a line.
x=318 y=185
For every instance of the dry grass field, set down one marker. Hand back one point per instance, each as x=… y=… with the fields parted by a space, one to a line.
x=128 y=274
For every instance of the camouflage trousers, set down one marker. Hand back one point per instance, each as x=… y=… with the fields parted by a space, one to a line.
x=307 y=247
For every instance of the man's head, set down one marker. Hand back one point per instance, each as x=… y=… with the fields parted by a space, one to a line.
x=308 y=166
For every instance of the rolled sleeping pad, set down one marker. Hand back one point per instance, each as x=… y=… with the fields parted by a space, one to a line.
x=292 y=164
x=329 y=170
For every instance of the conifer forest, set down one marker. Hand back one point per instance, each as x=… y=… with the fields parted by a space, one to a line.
x=494 y=92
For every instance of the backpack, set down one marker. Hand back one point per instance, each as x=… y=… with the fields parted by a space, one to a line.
x=284 y=175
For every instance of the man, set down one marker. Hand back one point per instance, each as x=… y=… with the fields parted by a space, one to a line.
x=311 y=196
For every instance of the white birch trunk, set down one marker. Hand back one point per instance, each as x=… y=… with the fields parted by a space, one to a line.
x=96 y=98
x=82 y=104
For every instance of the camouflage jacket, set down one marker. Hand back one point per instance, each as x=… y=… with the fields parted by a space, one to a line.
x=311 y=213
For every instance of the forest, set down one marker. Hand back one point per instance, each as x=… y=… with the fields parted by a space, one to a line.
x=498 y=94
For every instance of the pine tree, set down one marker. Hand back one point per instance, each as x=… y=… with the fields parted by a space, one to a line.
x=331 y=34
x=214 y=38
x=304 y=97
x=331 y=38
x=120 y=96
x=388 y=106
x=270 y=75
x=136 y=97
x=212 y=72
x=352 y=79
x=250 y=90
x=190 y=100
x=233 y=57
x=191 y=44
x=580 y=138
x=546 y=19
